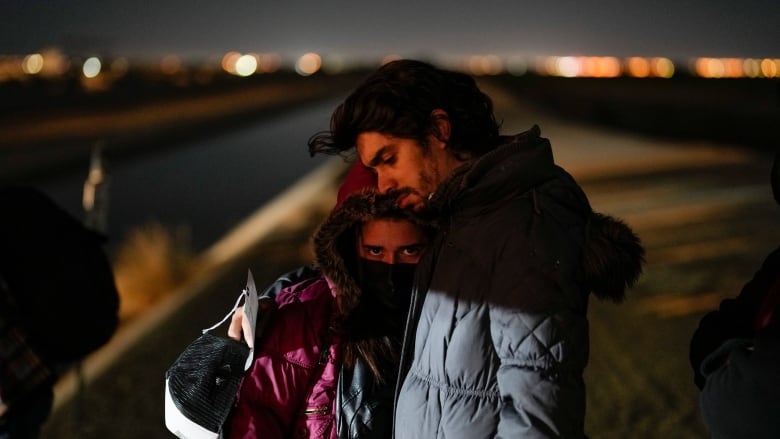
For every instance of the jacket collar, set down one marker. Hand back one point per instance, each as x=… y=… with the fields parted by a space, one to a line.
x=521 y=162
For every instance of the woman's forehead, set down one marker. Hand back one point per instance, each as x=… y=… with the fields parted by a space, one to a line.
x=390 y=230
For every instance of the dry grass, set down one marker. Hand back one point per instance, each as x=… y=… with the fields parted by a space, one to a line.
x=150 y=264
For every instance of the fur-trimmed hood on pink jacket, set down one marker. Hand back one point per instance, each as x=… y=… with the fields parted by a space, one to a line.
x=290 y=390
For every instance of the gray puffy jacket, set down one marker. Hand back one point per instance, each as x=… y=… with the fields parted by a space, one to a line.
x=497 y=339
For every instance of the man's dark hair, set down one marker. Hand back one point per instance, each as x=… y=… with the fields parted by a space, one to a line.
x=398 y=100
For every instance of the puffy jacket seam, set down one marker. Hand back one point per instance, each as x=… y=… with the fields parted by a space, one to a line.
x=452 y=390
x=302 y=364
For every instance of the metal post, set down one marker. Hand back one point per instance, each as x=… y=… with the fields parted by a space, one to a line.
x=95 y=203
x=95 y=195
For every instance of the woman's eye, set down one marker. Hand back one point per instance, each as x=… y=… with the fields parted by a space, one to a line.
x=413 y=251
x=374 y=251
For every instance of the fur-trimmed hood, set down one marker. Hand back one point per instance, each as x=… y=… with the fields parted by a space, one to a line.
x=613 y=257
x=334 y=242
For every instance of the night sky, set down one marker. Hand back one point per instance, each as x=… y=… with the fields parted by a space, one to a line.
x=352 y=28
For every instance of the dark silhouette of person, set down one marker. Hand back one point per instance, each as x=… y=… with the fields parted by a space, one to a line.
x=58 y=303
x=735 y=354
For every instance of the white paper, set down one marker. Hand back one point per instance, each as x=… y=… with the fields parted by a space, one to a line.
x=249 y=321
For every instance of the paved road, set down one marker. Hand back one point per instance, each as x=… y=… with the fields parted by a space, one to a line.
x=704 y=213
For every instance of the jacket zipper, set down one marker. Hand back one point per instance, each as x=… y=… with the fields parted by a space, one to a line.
x=316 y=411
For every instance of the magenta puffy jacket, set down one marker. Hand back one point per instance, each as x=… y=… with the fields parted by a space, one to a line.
x=290 y=389
x=273 y=401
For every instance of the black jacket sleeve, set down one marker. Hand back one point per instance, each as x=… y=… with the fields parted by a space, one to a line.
x=734 y=318
x=741 y=395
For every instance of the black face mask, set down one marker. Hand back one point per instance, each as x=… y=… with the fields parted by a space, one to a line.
x=388 y=284
x=384 y=299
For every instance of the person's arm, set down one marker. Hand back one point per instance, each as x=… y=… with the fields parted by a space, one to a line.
x=541 y=354
x=540 y=397
x=540 y=334
x=740 y=397
x=734 y=317
x=23 y=371
x=238 y=330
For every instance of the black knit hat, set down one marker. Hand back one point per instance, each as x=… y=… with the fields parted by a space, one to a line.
x=202 y=384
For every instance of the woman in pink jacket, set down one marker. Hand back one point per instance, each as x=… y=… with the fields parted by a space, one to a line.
x=326 y=364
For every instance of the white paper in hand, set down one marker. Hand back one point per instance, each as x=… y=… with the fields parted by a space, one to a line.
x=201 y=385
x=249 y=322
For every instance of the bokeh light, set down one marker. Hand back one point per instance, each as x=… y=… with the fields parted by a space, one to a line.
x=517 y=65
x=481 y=65
x=308 y=64
x=246 y=65
x=662 y=67
x=638 y=67
x=735 y=68
x=32 y=64
x=91 y=67
x=229 y=62
x=170 y=65
x=770 y=68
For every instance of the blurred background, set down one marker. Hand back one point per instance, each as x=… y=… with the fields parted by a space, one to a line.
x=167 y=125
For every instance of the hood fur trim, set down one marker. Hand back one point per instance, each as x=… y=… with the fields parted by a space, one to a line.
x=613 y=257
x=334 y=241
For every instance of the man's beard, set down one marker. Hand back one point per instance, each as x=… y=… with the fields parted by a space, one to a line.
x=427 y=179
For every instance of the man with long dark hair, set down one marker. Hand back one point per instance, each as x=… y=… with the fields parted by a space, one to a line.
x=496 y=341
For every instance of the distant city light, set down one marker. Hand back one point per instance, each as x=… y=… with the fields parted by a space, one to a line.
x=246 y=65
x=308 y=64
x=51 y=62
x=170 y=64
x=229 y=62
x=752 y=68
x=32 y=64
x=662 y=67
x=91 y=67
x=566 y=66
x=517 y=65
x=638 y=67
x=736 y=68
x=770 y=68
x=600 y=67
x=485 y=65
x=268 y=62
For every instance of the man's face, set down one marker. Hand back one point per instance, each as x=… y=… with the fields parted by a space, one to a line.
x=401 y=164
x=391 y=241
